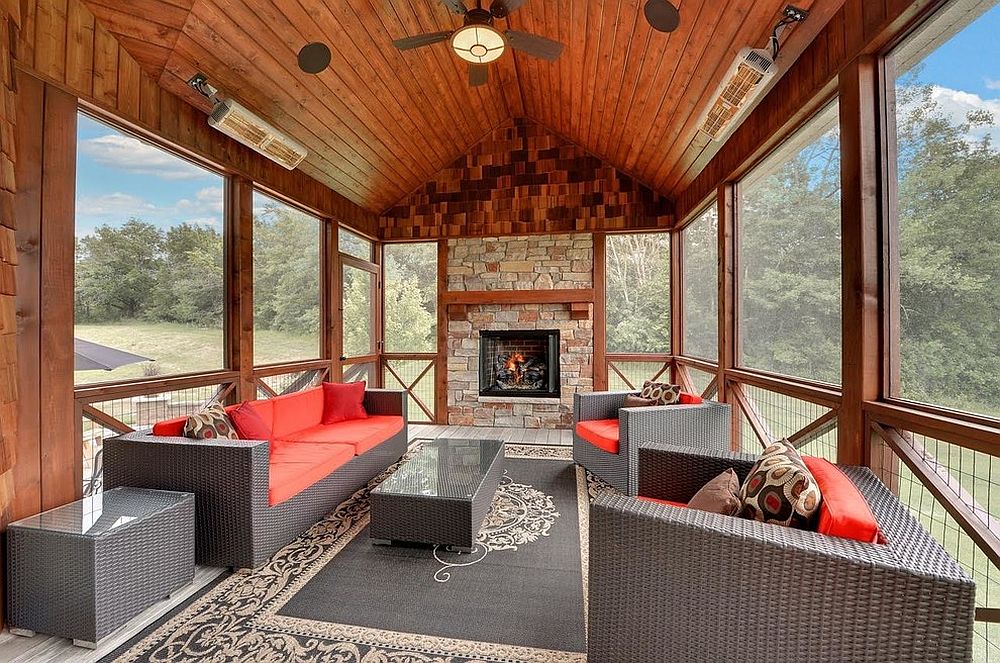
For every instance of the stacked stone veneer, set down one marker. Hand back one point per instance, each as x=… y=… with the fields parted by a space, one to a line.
x=530 y=263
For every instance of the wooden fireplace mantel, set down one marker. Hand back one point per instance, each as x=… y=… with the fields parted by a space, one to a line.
x=579 y=300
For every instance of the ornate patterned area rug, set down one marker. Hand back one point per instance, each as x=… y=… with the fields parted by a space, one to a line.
x=331 y=595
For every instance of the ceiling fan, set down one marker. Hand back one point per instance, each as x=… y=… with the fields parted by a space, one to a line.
x=478 y=42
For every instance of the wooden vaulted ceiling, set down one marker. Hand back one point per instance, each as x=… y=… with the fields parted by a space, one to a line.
x=378 y=123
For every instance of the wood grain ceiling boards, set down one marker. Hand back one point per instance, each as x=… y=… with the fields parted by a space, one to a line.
x=379 y=123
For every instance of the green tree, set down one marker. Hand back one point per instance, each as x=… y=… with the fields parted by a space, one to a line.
x=190 y=282
x=638 y=292
x=286 y=261
x=116 y=268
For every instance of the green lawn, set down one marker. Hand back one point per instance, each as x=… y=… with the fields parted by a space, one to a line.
x=183 y=349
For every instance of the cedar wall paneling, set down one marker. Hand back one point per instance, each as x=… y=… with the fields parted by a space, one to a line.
x=860 y=27
x=61 y=43
x=524 y=179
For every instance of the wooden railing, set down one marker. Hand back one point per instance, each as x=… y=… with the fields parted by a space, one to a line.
x=415 y=373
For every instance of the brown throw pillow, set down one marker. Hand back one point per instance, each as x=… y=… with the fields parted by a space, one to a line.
x=780 y=489
x=638 y=401
x=210 y=423
x=663 y=393
x=720 y=495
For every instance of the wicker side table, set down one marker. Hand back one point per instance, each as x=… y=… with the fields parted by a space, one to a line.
x=84 y=569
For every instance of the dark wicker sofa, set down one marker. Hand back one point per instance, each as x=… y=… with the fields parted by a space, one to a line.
x=235 y=524
x=674 y=584
x=705 y=426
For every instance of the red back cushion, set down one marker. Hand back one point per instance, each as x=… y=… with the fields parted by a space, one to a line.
x=170 y=428
x=253 y=420
x=295 y=412
x=844 y=512
x=690 y=399
x=343 y=402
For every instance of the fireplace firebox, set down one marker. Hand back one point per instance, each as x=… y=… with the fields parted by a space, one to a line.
x=519 y=363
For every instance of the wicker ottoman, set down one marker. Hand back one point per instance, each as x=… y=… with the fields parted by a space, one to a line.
x=440 y=496
x=84 y=569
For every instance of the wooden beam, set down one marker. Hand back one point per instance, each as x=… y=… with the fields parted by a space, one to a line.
x=600 y=312
x=676 y=300
x=579 y=311
x=106 y=392
x=728 y=338
x=757 y=422
x=441 y=370
x=104 y=419
x=336 y=279
x=239 y=286
x=61 y=451
x=803 y=390
x=564 y=296
x=861 y=363
x=814 y=430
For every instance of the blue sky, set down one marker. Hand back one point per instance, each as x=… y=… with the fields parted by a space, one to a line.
x=970 y=62
x=119 y=176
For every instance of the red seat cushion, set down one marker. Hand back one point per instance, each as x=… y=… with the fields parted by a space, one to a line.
x=294 y=466
x=844 y=512
x=343 y=401
x=361 y=434
x=690 y=399
x=602 y=433
x=653 y=499
x=253 y=420
x=170 y=428
x=297 y=411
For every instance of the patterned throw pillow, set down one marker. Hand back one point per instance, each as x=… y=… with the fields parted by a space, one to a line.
x=780 y=489
x=663 y=393
x=210 y=423
x=638 y=401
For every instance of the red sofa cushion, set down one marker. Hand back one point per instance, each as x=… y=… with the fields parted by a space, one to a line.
x=343 y=401
x=170 y=427
x=844 y=512
x=253 y=420
x=690 y=399
x=297 y=411
x=653 y=499
x=294 y=466
x=602 y=433
x=361 y=434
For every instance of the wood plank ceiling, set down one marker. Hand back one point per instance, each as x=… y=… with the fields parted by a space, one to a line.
x=378 y=122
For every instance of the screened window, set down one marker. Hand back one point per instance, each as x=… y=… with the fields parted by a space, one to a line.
x=410 y=297
x=286 y=282
x=149 y=277
x=354 y=244
x=789 y=255
x=947 y=90
x=638 y=293
x=358 y=311
x=700 y=241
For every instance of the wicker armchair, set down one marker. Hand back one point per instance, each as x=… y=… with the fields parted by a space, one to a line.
x=673 y=584
x=235 y=525
x=704 y=426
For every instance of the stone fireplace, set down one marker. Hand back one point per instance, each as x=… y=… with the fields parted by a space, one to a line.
x=519 y=363
x=487 y=334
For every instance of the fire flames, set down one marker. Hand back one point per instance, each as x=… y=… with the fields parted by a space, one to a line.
x=515 y=365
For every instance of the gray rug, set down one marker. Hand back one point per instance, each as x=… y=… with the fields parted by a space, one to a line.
x=332 y=596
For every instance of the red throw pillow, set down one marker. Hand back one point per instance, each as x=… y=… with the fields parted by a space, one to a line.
x=249 y=423
x=690 y=399
x=343 y=401
x=844 y=511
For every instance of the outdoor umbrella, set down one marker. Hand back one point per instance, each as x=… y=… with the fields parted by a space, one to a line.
x=96 y=357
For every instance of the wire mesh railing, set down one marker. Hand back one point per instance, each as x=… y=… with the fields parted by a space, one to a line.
x=810 y=426
x=630 y=374
x=417 y=377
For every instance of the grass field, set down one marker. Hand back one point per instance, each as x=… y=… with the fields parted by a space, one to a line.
x=180 y=349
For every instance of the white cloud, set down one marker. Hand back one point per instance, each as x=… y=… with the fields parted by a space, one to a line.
x=132 y=155
x=991 y=83
x=206 y=208
x=956 y=106
x=113 y=205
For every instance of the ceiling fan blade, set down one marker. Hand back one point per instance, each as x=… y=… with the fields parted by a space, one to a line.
x=479 y=74
x=455 y=5
x=416 y=41
x=533 y=45
x=503 y=8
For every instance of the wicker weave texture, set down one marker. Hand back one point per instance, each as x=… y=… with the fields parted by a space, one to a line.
x=674 y=584
x=85 y=587
x=236 y=526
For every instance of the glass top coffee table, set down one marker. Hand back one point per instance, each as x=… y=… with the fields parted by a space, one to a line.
x=440 y=496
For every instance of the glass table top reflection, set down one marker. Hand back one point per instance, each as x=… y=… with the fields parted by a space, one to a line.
x=447 y=468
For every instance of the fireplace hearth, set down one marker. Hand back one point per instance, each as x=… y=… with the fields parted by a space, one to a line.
x=519 y=363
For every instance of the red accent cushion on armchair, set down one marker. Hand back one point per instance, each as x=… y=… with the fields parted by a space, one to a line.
x=843 y=511
x=602 y=433
x=343 y=401
x=690 y=399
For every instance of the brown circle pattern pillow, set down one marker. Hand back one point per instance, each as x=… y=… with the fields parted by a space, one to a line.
x=661 y=393
x=780 y=489
x=210 y=423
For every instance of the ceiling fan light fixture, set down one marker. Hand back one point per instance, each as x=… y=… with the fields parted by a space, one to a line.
x=478 y=44
x=662 y=15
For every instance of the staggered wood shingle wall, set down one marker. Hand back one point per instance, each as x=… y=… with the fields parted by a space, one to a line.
x=524 y=179
x=9 y=16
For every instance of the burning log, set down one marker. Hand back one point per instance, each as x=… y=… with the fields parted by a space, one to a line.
x=515 y=371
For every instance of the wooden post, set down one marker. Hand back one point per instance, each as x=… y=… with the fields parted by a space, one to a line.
x=600 y=312
x=441 y=369
x=336 y=276
x=378 y=310
x=328 y=307
x=239 y=286
x=729 y=347
x=862 y=369
x=676 y=302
